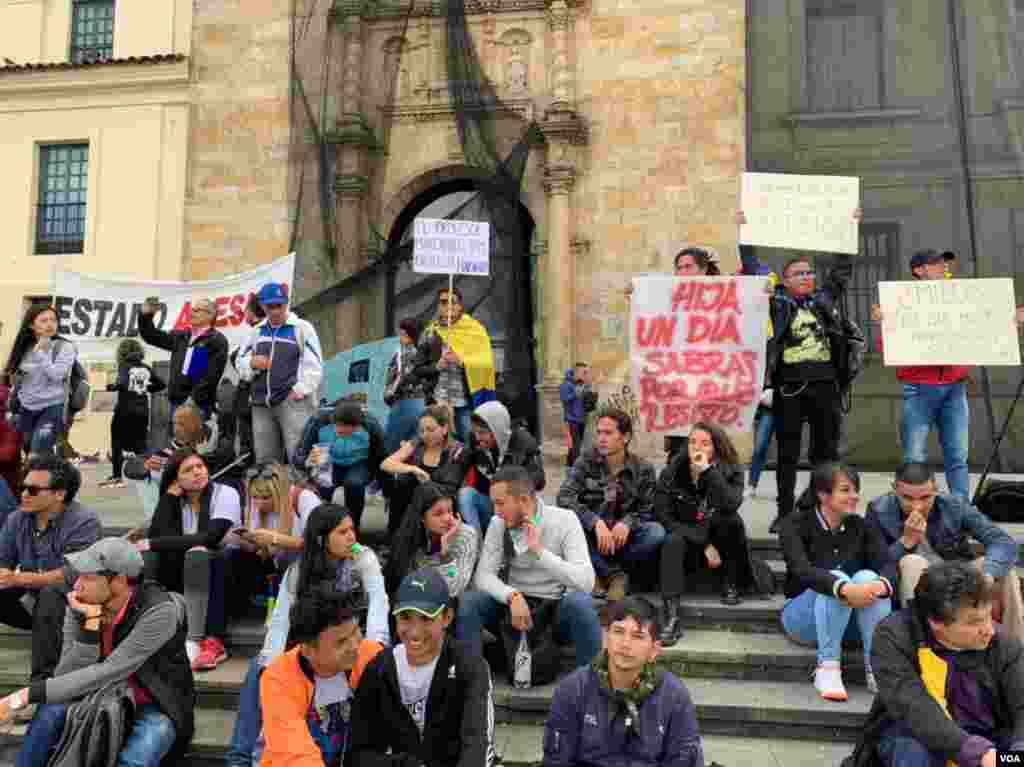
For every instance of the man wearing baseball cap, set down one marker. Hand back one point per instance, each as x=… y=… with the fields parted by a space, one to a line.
x=113 y=608
x=428 y=700
x=934 y=395
x=283 y=361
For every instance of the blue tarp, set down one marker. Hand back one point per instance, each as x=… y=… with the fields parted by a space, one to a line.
x=363 y=368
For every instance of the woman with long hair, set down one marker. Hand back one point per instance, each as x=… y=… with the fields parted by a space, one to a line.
x=697 y=500
x=330 y=554
x=186 y=550
x=410 y=381
x=433 y=535
x=433 y=456
x=40 y=366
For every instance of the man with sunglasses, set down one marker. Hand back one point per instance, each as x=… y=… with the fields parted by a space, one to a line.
x=199 y=354
x=803 y=368
x=34 y=541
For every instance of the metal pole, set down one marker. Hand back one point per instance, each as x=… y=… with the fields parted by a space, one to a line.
x=965 y=169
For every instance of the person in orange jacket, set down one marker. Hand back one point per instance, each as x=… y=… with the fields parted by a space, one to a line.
x=306 y=693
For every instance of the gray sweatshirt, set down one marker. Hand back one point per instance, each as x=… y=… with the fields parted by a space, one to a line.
x=564 y=565
x=44 y=375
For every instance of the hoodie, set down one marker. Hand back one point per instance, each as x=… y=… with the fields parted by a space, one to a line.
x=516 y=447
x=135 y=382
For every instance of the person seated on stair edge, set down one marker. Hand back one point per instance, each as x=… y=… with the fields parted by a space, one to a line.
x=411 y=378
x=533 y=564
x=306 y=693
x=623 y=709
x=330 y=554
x=921 y=527
x=49 y=525
x=612 y=492
x=428 y=700
x=354 y=445
x=494 y=444
x=433 y=535
x=950 y=686
x=835 y=570
x=697 y=500
x=434 y=456
x=120 y=628
x=187 y=550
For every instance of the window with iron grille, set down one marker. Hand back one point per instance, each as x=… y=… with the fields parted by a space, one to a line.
x=92 y=31
x=845 y=55
x=877 y=261
x=63 y=188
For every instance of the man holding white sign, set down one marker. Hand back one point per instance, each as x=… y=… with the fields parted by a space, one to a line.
x=937 y=394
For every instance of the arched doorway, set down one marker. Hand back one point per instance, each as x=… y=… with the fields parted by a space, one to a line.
x=502 y=302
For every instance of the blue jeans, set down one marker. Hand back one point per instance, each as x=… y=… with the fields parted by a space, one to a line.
x=642 y=546
x=897 y=747
x=476 y=509
x=354 y=479
x=762 y=441
x=463 y=421
x=944 y=405
x=41 y=428
x=151 y=738
x=814 y=618
x=245 y=739
x=403 y=423
x=577 y=622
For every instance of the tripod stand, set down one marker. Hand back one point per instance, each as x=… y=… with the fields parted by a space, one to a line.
x=999 y=439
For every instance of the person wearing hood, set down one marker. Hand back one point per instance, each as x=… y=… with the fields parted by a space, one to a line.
x=283 y=360
x=130 y=424
x=494 y=444
x=578 y=399
x=433 y=535
x=199 y=354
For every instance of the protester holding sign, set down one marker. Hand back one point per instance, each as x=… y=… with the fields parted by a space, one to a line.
x=41 y=363
x=467 y=377
x=198 y=354
x=283 y=360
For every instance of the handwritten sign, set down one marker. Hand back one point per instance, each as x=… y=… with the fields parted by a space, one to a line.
x=949 y=322
x=441 y=246
x=806 y=212
x=698 y=350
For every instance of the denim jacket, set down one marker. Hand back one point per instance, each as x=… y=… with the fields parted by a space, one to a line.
x=951 y=522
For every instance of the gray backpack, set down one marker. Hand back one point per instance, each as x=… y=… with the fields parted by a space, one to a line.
x=96 y=729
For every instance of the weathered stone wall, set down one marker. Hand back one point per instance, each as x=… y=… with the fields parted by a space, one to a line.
x=236 y=208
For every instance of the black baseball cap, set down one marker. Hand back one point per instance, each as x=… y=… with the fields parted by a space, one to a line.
x=423 y=591
x=923 y=257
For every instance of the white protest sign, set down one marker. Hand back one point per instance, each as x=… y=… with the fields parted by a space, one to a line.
x=442 y=246
x=97 y=312
x=785 y=210
x=697 y=348
x=949 y=322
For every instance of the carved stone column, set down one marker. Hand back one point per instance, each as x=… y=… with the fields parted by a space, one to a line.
x=559 y=277
x=562 y=80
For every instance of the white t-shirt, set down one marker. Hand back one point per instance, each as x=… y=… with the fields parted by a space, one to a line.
x=414 y=682
x=225 y=504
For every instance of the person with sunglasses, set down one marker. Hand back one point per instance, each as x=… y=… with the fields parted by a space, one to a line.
x=49 y=525
x=185 y=550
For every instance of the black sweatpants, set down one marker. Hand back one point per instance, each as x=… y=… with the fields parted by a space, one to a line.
x=726 y=532
x=128 y=431
x=818 y=404
x=46 y=622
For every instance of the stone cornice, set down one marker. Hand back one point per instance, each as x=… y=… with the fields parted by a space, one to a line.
x=351 y=185
x=562 y=123
x=431 y=112
x=384 y=9
x=559 y=178
x=94 y=80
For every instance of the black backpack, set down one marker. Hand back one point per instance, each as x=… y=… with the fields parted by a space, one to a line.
x=1002 y=500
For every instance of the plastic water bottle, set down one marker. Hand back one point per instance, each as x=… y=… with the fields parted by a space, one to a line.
x=272 y=587
x=522 y=678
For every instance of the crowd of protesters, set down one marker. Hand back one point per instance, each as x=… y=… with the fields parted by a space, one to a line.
x=377 y=655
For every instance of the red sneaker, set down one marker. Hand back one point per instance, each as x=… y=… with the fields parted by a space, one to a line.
x=211 y=655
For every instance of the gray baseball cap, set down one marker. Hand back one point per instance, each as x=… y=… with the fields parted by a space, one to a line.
x=114 y=555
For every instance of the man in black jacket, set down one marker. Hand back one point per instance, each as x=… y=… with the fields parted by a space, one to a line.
x=805 y=368
x=426 y=701
x=119 y=629
x=198 y=355
x=950 y=688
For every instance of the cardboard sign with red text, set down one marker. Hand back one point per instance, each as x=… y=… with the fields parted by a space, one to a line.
x=97 y=312
x=697 y=347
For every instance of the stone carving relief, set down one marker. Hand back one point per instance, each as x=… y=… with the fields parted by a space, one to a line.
x=515 y=45
x=396 y=70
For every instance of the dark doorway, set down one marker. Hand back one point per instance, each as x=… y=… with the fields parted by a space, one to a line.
x=502 y=301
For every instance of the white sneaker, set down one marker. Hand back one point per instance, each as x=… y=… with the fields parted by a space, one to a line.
x=870 y=676
x=192 y=650
x=828 y=681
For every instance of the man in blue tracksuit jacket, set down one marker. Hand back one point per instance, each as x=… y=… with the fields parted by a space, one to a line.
x=622 y=709
x=283 y=361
